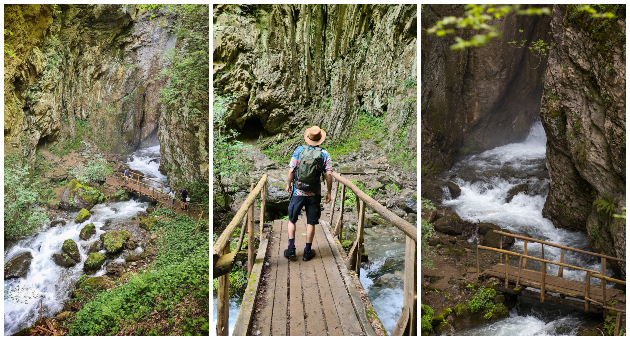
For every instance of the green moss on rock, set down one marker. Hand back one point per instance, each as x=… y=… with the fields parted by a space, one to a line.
x=82 y=216
x=114 y=241
x=94 y=262
x=87 y=232
x=87 y=193
x=70 y=248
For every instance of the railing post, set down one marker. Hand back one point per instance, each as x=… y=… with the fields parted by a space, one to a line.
x=507 y=260
x=603 y=284
x=360 y=236
x=263 y=205
x=518 y=275
x=223 y=312
x=543 y=272
x=525 y=253
x=617 y=322
x=588 y=286
x=561 y=261
x=501 y=246
x=334 y=201
x=410 y=285
x=338 y=227
x=250 y=235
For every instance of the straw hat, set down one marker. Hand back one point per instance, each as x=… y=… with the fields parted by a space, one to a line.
x=314 y=136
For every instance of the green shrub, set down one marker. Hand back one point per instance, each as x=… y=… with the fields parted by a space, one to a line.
x=607 y=205
x=96 y=168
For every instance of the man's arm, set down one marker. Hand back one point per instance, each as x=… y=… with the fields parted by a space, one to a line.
x=290 y=176
x=328 y=186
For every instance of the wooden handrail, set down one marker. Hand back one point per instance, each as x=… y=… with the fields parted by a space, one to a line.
x=609 y=279
x=389 y=216
x=558 y=245
x=224 y=238
x=534 y=258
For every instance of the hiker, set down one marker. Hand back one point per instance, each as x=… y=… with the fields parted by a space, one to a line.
x=184 y=193
x=126 y=175
x=187 y=202
x=308 y=164
x=172 y=196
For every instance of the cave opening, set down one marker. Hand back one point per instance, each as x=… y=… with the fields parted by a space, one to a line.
x=251 y=130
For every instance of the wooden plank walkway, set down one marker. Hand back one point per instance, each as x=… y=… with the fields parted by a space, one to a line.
x=553 y=283
x=306 y=298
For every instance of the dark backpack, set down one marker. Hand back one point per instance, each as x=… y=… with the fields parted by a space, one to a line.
x=309 y=168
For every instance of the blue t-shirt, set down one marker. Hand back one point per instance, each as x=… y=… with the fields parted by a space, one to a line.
x=294 y=164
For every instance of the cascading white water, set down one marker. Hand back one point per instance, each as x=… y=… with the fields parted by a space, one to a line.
x=49 y=282
x=485 y=180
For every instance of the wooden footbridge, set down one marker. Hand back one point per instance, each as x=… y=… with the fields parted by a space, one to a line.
x=156 y=191
x=576 y=294
x=316 y=297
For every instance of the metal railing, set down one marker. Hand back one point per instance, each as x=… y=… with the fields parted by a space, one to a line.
x=407 y=322
x=223 y=259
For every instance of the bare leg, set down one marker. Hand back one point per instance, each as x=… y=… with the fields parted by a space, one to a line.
x=310 y=232
x=291 y=230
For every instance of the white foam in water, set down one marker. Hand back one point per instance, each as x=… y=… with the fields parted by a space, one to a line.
x=147 y=161
x=485 y=201
x=50 y=282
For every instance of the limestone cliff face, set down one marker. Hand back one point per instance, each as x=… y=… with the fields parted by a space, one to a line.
x=95 y=65
x=93 y=70
x=290 y=66
x=479 y=98
x=583 y=111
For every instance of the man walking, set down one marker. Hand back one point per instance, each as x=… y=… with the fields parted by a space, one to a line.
x=308 y=164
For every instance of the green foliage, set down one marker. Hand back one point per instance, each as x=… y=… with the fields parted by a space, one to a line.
x=229 y=163
x=410 y=83
x=6 y=47
x=365 y=127
x=393 y=186
x=96 y=168
x=609 y=326
x=622 y=215
x=476 y=17
x=22 y=214
x=180 y=272
x=188 y=89
x=426 y=231
x=482 y=300
x=427 y=315
x=607 y=205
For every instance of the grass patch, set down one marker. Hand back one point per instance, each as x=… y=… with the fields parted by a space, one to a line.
x=178 y=277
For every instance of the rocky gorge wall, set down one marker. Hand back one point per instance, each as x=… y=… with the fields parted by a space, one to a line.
x=477 y=98
x=289 y=66
x=583 y=111
x=92 y=70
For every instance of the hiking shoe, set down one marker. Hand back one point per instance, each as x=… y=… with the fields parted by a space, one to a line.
x=308 y=255
x=289 y=253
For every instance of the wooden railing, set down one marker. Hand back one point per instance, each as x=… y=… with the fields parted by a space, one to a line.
x=407 y=322
x=522 y=261
x=223 y=259
x=149 y=187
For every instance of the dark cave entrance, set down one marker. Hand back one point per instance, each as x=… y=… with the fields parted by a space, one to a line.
x=251 y=130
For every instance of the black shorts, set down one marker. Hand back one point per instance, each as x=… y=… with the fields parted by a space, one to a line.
x=311 y=205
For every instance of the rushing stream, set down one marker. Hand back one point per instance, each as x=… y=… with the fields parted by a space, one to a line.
x=485 y=180
x=50 y=283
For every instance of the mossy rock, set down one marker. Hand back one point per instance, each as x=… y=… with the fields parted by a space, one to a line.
x=82 y=216
x=96 y=246
x=133 y=258
x=95 y=283
x=94 y=262
x=147 y=223
x=70 y=248
x=80 y=196
x=346 y=244
x=87 y=232
x=115 y=240
x=64 y=315
x=64 y=260
x=376 y=221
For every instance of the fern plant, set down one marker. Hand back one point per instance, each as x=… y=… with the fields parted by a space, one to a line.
x=607 y=205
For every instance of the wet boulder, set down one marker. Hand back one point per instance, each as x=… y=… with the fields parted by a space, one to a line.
x=114 y=241
x=18 y=266
x=82 y=216
x=131 y=244
x=408 y=201
x=57 y=222
x=115 y=269
x=93 y=262
x=80 y=196
x=70 y=247
x=133 y=258
x=451 y=225
x=521 y=188
x=493 y=240
x=485 y=227
x=277 y=199
x=375 y=221
x=431 y=190
x=453 y=189
x=64 y=260
x=147 y=223
x=87 y=232
x=96 y=246
x=428 y=214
